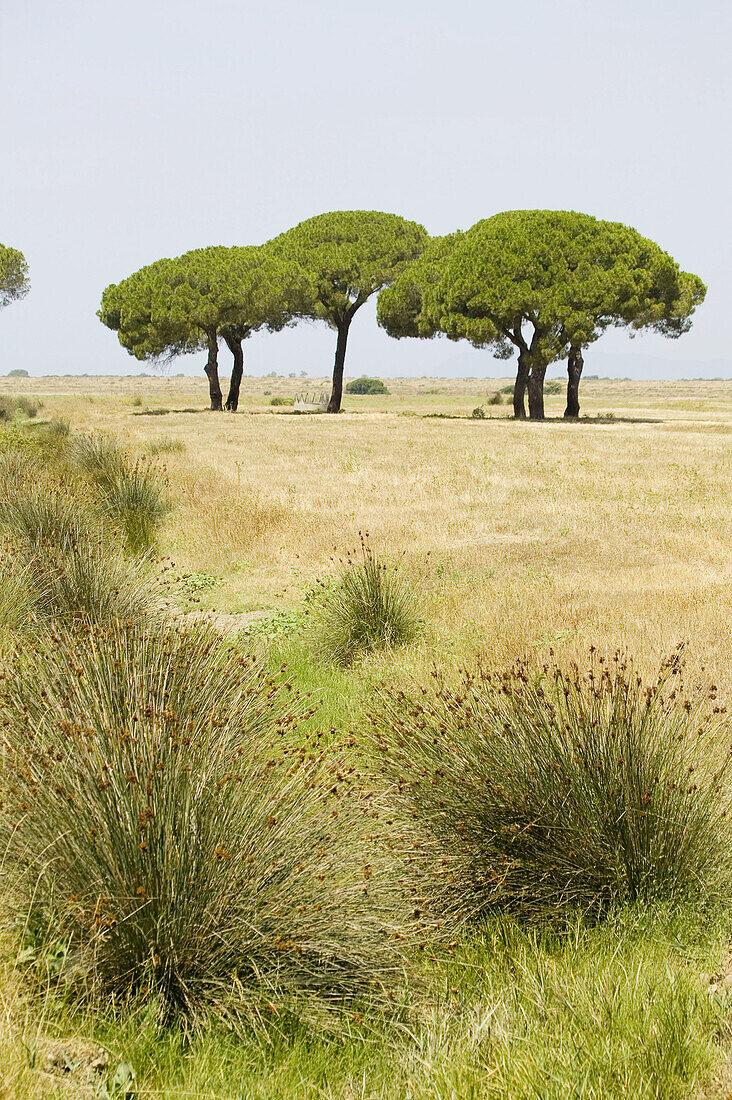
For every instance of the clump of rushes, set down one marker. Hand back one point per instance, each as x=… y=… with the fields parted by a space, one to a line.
x=17 y=601
x=65 y=566
x=98 y=456
x=159 y=819
x=541 y=793
x=138 y=503
x=18 y=468
x=373 y=606
x=43 y=517
x=132 y=496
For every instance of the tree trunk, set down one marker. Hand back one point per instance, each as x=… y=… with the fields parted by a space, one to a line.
x=575 y=363
x=334 y=405
x=519 y=387
x=536 y=391
x=234 y=345
x=212 y=370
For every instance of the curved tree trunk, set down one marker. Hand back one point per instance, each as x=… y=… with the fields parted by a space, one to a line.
x=575 y=362
x=536 y=391
x=234 y=345
x=334 y=405
x=212 y=370
x=519 y=387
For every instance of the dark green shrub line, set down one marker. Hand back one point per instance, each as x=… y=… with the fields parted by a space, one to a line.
x=544 y=794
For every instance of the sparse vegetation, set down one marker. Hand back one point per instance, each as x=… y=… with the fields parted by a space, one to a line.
x=372 y=606
x=165 y=445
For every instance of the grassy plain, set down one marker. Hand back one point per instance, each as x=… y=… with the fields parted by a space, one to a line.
x=615 y=531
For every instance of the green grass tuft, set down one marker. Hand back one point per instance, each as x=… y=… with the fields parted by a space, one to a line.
x=157 y=823
x=545 y=793
x=372 y=606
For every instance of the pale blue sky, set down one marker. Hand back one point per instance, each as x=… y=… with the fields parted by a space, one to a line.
x=137 y=130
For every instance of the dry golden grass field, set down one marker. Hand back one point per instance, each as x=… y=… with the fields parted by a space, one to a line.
x=614 y=531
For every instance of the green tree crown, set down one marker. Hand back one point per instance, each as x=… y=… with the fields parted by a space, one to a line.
x=14 y=280
x=347 y=256
x=169 y=307
x=544 y=282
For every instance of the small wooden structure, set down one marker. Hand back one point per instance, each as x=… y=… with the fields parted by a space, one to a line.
x=310 y=403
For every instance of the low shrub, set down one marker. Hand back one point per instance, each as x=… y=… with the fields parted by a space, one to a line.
x=553 y=387
x=277 y=401
x=158 y=819
x=372 y=606
x=496 y=399
x=366 y=386
x=478 y=413
x=540 y=793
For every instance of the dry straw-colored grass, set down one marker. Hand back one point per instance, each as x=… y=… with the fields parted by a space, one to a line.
x=612 y=532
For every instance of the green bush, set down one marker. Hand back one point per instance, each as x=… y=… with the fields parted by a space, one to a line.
x=372 y=606
x=553 y=387
x=366 y=385
x=543 y=793
x=496 y=399
x=478 y=413
x=156 y=821
x=18 y=373
x=282 y=401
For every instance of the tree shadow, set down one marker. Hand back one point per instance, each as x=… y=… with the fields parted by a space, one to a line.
x=609 y=419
